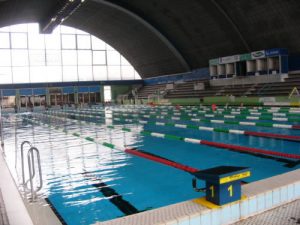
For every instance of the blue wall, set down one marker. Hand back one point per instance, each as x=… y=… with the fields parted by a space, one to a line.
x=294 y=62
x=197 y=74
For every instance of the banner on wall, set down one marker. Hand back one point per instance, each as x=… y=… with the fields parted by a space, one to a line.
x=258 y=54
x=214 y=62
x=245 y=57
x=276 y=52
x=229 y=59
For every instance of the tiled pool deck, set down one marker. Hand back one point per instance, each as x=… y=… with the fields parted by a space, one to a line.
x=288 y=214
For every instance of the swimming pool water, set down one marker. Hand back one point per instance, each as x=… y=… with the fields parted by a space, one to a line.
x=87 y=182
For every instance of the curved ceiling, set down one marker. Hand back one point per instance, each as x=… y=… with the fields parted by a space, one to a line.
x=162 y=37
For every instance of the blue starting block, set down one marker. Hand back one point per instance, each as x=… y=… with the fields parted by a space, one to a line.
x=223 y=183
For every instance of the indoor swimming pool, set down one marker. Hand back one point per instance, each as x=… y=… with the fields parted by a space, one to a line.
x=93 y=170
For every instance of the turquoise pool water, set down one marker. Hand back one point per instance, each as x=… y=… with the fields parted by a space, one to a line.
x=86 y=182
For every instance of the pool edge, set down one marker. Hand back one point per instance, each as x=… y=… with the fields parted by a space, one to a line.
x=261 y=195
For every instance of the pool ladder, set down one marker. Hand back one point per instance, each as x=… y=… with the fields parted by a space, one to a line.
x=31 y=169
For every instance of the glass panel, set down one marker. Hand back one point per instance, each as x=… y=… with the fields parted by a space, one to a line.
x=19 y=57
x=36 y=41
x=68 y=41
x=137 y=76
x=18 y=28
x=19 y=40
x=127 y=73
x=100 y=72
x=84 y=41
x=70 y=73
x=20 y=74
x=113 y=58
x=67 y=30
x=97 y=44
x=52 y=41
x=124 y=61
x=5 y=29
x=4 y=40
x=53 y=57
x=114 y=73
x=38 y=74
x=69 y=57
x=84 y=57
x=37 y=57
x=107 y=93
x=54 y=74
x=108 y=47
x=33 y=28
x=99 y=57
x=5 y=58
x=85 y=73
x=81 y=32
x=5 y=75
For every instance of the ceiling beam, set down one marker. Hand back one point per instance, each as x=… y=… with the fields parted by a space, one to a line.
x=58 y=14
x=232 y=23
x=154 y=30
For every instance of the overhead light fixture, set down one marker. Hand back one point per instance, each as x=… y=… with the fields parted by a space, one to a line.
x=59 y=15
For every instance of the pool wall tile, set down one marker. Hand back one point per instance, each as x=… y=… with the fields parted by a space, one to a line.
x=261 y=202
x=276 y=197
x=195 y=219
x=235 y=212
x=216 y=217
x=206 y=219
x=291 y=192
x=226 y=214
x=252 y=205
x=297 y=189
x=284 y=194
x=268 y=199
x=183 y=220
x=244 y=208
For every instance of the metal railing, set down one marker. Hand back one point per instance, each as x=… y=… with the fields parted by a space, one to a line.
x=31 y=169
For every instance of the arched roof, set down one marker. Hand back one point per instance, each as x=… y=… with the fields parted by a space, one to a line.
x=162 y=37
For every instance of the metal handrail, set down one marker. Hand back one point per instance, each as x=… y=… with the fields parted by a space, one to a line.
x=31 y=168
x=1 y=128
x=22 y=159
x=30 y=158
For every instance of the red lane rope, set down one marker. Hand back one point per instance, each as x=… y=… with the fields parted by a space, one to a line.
x=161 y=160
x=271 y=135
x=249 y=149
x=296 y=126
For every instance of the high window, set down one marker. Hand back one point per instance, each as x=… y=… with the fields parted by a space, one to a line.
x=66 y=55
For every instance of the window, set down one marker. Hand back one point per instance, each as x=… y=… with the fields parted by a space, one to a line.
x=4 y=40
x=84 y=41
x=37 y=57
x=65 y=55
x=5 y=57
x=99 y=57
x=84 y=57
x=107 y=93
x=19 y=40
x=68 y=41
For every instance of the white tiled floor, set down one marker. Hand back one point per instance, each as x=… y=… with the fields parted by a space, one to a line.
x=288 y=214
